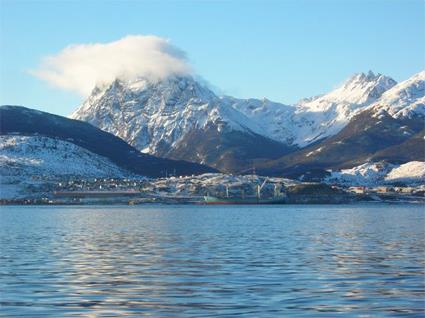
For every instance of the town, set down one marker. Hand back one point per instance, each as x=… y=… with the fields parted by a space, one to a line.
x=193 y=189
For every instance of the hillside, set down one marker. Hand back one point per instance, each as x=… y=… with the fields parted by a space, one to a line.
x=21 y=121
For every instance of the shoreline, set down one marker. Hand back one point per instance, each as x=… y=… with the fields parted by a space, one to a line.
x=416 y=201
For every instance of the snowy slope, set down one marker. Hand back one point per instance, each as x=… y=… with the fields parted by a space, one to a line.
x=411 y=172
x=406 y=99
x=367 y=174
x=319 y=117
x=275 y=120
x=28 y=162
x=379 y=173
x=360 y=89
x=43 y=156
x=326 y=115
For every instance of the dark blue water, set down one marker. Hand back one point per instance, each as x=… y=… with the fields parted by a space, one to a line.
x=188 y=261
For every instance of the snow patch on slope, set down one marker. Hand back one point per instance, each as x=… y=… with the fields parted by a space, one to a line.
x=411 y=172
x=378 y=173
x=365 y=174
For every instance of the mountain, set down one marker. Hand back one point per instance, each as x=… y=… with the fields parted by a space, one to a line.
x=316 y=118
x=153 y=116
x=390 y=129
x=88 y=141
x=363 y=138
x=179 y=118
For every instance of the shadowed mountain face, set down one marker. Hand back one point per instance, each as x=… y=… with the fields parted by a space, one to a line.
x=27 y=122
x=411 y=149
x=228 y=151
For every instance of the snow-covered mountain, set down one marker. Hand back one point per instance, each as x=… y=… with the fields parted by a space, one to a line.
x=154 y=116
x=181 y=119
x=315 y=118
x=170 y=117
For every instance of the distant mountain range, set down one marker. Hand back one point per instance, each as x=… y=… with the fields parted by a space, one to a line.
x=369 y=117
x=178 y=126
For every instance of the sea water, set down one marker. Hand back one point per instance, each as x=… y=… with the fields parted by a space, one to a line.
x=205 y=261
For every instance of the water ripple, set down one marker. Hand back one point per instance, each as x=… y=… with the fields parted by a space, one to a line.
x=175 y=261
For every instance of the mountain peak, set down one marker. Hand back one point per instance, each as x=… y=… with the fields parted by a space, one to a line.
x=359 y=90
x=171 y=88
x=405 y=99
x=370 y=78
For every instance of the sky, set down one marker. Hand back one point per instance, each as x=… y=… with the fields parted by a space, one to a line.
x=281 y=50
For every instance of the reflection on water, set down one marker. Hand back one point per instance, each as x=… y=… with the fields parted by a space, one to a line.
x=187 y=261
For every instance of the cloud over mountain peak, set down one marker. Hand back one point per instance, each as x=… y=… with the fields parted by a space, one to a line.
x=80 y=67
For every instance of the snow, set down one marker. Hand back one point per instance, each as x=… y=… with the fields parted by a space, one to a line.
x=315 y=118
x=360 y=89
x=48 y=156
x=411 y=172
x=323 y=116
x=149 y=115
x=379 y=173
x=27 y=161
x=406 y=99
x=156 y=115
x=314 y=151
x=216 y=183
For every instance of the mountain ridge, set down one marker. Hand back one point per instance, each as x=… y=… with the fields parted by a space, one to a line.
x=182 y=119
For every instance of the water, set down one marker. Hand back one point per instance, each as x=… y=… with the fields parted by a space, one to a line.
x=197 y=261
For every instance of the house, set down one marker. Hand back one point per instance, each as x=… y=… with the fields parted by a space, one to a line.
x=384 y=189
x=358 y=190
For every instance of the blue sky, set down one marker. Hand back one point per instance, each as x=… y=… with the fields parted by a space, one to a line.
x=282 y=50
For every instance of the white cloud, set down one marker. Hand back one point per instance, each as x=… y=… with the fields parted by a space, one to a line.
x=81 y=67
